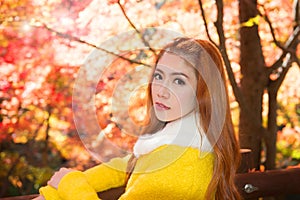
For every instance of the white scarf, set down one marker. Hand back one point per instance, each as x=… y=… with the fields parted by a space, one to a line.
x=183 y=132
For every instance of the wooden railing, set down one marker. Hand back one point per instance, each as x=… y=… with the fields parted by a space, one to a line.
x=270 y=183
x=251 y=185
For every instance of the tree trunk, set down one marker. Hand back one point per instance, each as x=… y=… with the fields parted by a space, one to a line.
x=253 y=81
x=271 y=137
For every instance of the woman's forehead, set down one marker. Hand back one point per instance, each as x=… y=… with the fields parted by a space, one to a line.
x=174 y=62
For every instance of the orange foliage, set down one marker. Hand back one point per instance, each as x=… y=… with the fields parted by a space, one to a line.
x=38 y=68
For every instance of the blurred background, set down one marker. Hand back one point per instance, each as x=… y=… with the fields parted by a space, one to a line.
x=43 y=43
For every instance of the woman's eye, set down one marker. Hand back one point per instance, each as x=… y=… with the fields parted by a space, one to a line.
x=178 y=81
x=157 y=76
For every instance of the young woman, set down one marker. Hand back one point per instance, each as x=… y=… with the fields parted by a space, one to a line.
x=188 y=149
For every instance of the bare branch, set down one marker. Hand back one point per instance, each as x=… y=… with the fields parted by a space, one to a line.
x=222 y=47
x=146 y=43
x=127 y=18
x=288 y=45
x=74 y=38
x=267 y=19
x=277 y=43
x=286 y=65
x=289 y=53
x=274 y=85
x=205 y=22
x=219 y=23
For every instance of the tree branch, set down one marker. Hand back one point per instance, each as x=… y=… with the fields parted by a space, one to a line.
x=222 y=47
x=127 y=18
x=286 y=65
x=74 y=38
x=289 y=43
x=146 y=43
x=205 y=22
x=274 y=85
x=277 y=43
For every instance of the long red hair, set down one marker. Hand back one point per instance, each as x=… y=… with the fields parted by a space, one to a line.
x=207 y=61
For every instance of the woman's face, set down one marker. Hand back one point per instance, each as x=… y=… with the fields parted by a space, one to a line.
x=173 y=88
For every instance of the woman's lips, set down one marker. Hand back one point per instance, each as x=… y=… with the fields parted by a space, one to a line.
x=161 y=106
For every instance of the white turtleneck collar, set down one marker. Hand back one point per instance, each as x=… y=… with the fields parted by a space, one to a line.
x=184 y=132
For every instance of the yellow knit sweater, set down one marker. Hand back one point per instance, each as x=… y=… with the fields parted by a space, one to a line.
x=168 y=172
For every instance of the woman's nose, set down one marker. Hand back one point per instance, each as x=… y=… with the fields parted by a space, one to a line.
x=163 y=92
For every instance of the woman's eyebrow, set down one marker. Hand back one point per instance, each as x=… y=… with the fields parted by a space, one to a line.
x=180 y=74
x=159 y=70
x=174 y=73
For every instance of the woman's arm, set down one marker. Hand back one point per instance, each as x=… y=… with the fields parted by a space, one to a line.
x=108 y=175
x=69 y=184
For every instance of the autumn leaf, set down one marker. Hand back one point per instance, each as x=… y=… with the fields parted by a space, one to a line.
x=251 y=22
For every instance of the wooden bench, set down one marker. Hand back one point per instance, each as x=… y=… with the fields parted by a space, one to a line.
x=251 y=185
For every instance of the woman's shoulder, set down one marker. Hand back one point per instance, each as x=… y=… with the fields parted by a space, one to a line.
x=174 y=156
x=176 y=153
x=180 y=150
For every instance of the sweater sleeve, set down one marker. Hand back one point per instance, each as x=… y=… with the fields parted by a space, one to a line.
x=108 y=175
x=73 y=186
x=85 y=185
x=49 y=193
